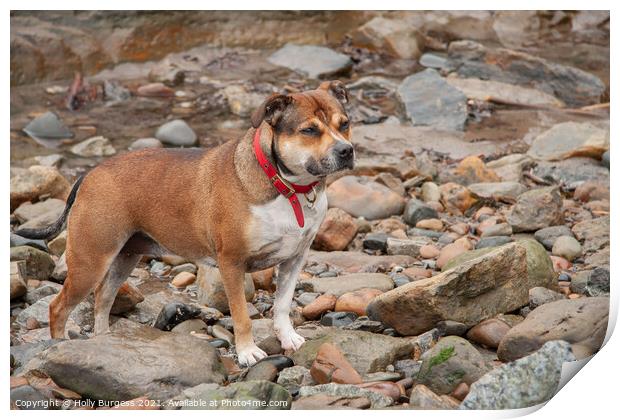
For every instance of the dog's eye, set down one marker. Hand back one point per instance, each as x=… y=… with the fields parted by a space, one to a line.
x=310 y=131
x=344 y=126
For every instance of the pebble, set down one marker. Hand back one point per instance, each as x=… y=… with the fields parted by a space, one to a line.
x=220 y=332
x=540 y=295
x=447 y=328
x=336 y=231
x=450 y=251
x=146 y=143
x=416 y=210
x=429 y=251
x=183 y=279
x=98 y=146
x=155 y=90
x=500 y=229
x=430 y=192
x=560 y=264
x=173 y=314
x=493 y=241
x=417 y=273
x=430 y=224
x=375 y=241
x=48 y=129
x=567 y=247
x=176 y=133
x=338 y=319
x=461 y=391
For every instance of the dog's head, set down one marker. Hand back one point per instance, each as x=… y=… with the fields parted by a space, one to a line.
x=312 y=133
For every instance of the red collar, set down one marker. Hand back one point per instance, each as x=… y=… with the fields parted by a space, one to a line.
x=284 y=187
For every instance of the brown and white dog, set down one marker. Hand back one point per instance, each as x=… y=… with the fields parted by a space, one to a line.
x=203 y=204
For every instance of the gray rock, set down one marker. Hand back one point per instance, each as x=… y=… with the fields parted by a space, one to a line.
x=500 y=229
x=523 y=383
x=570 y=139
x=573 y=86
x=541 y=295
x=249 y=395
x=430 y=101
x=424 y=232
x=452 y=361
x=448 y=327
x=23 y=353
x=347 y=391
x=408 y=368
x=581 y=322
x=357 y=262
x=366 y=351
x=48 y=130
x=39 y=265
x=29 y=398
x=572 y=172
x=433 y=61
x=44 y=219
x=28 y=211
x=566 y=247
x=46 y=288
x=375 y=241
x=115 y=92
x=39 y=310
x=211 y=288
x=147 y=311
x=409 y=247
x=306 y=298
x=311 y=61
x=176 y=133
x=498 y=190
x=548 y=235
x=594 y=233
x=294 y=377
x=536 y=209
x=97 y=146
x=146 y=143
x=154 y=363
x=17 y=241
x=347 y=283
x=493 y=241
x=338 y=319
x=605 y=159
x=416 y=210
x=591 y=282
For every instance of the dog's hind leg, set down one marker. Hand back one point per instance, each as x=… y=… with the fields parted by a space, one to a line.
x=106 y=290
x=84 y=271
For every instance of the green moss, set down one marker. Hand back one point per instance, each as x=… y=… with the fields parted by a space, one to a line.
x=441 y=357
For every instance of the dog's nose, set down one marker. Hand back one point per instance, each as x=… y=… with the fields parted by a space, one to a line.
x=343 y=150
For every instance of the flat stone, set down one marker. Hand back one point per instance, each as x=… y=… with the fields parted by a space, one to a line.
x=97 y=146
x=367 y=352
x=347 y=283
x=594 y=233
x=48 y=130
x=493 y=241
x=548 y=235
x=572 y=172
x=430 y=101
x=536 y=209
x=498 y=190
x=361 y=197
x=311 y=61
x=357 y=262
x=38 y=264
x=570 y=139
x=376 y=399
x=183 y=360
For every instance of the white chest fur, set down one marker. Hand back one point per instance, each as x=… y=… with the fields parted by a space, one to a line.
x=275 y=236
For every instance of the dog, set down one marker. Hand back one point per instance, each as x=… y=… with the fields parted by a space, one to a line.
x=250 y=204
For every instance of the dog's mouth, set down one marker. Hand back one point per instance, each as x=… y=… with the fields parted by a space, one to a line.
x=329 y=165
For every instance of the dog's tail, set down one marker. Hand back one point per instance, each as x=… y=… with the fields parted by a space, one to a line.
x=55 y=228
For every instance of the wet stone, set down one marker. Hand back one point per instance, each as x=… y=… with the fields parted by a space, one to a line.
x=338 y=319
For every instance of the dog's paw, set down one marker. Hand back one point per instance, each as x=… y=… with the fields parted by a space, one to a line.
x=290 y=340
x=249 y=355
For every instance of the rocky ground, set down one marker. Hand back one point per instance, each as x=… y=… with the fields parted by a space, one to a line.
x=460 y=264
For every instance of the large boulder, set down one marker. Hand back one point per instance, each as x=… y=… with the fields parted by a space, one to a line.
x=581 y=322
x=502 y=282
x=451 y=361
x=367 y=352
x=539 y=265
x=130 y=362
x=523 y=383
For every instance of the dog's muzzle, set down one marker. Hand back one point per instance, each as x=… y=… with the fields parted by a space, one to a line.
x=344 y=155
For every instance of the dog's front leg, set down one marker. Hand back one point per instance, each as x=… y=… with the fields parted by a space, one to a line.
x=288 y=273
x=233 y=279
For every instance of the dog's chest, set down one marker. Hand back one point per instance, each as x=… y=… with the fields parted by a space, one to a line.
x=275 y=236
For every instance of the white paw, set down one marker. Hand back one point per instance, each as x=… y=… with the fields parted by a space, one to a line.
x=290 y=340
x=249 y=355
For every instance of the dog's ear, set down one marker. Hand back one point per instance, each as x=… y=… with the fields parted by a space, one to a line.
x=337 y=89
x=271 y=110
